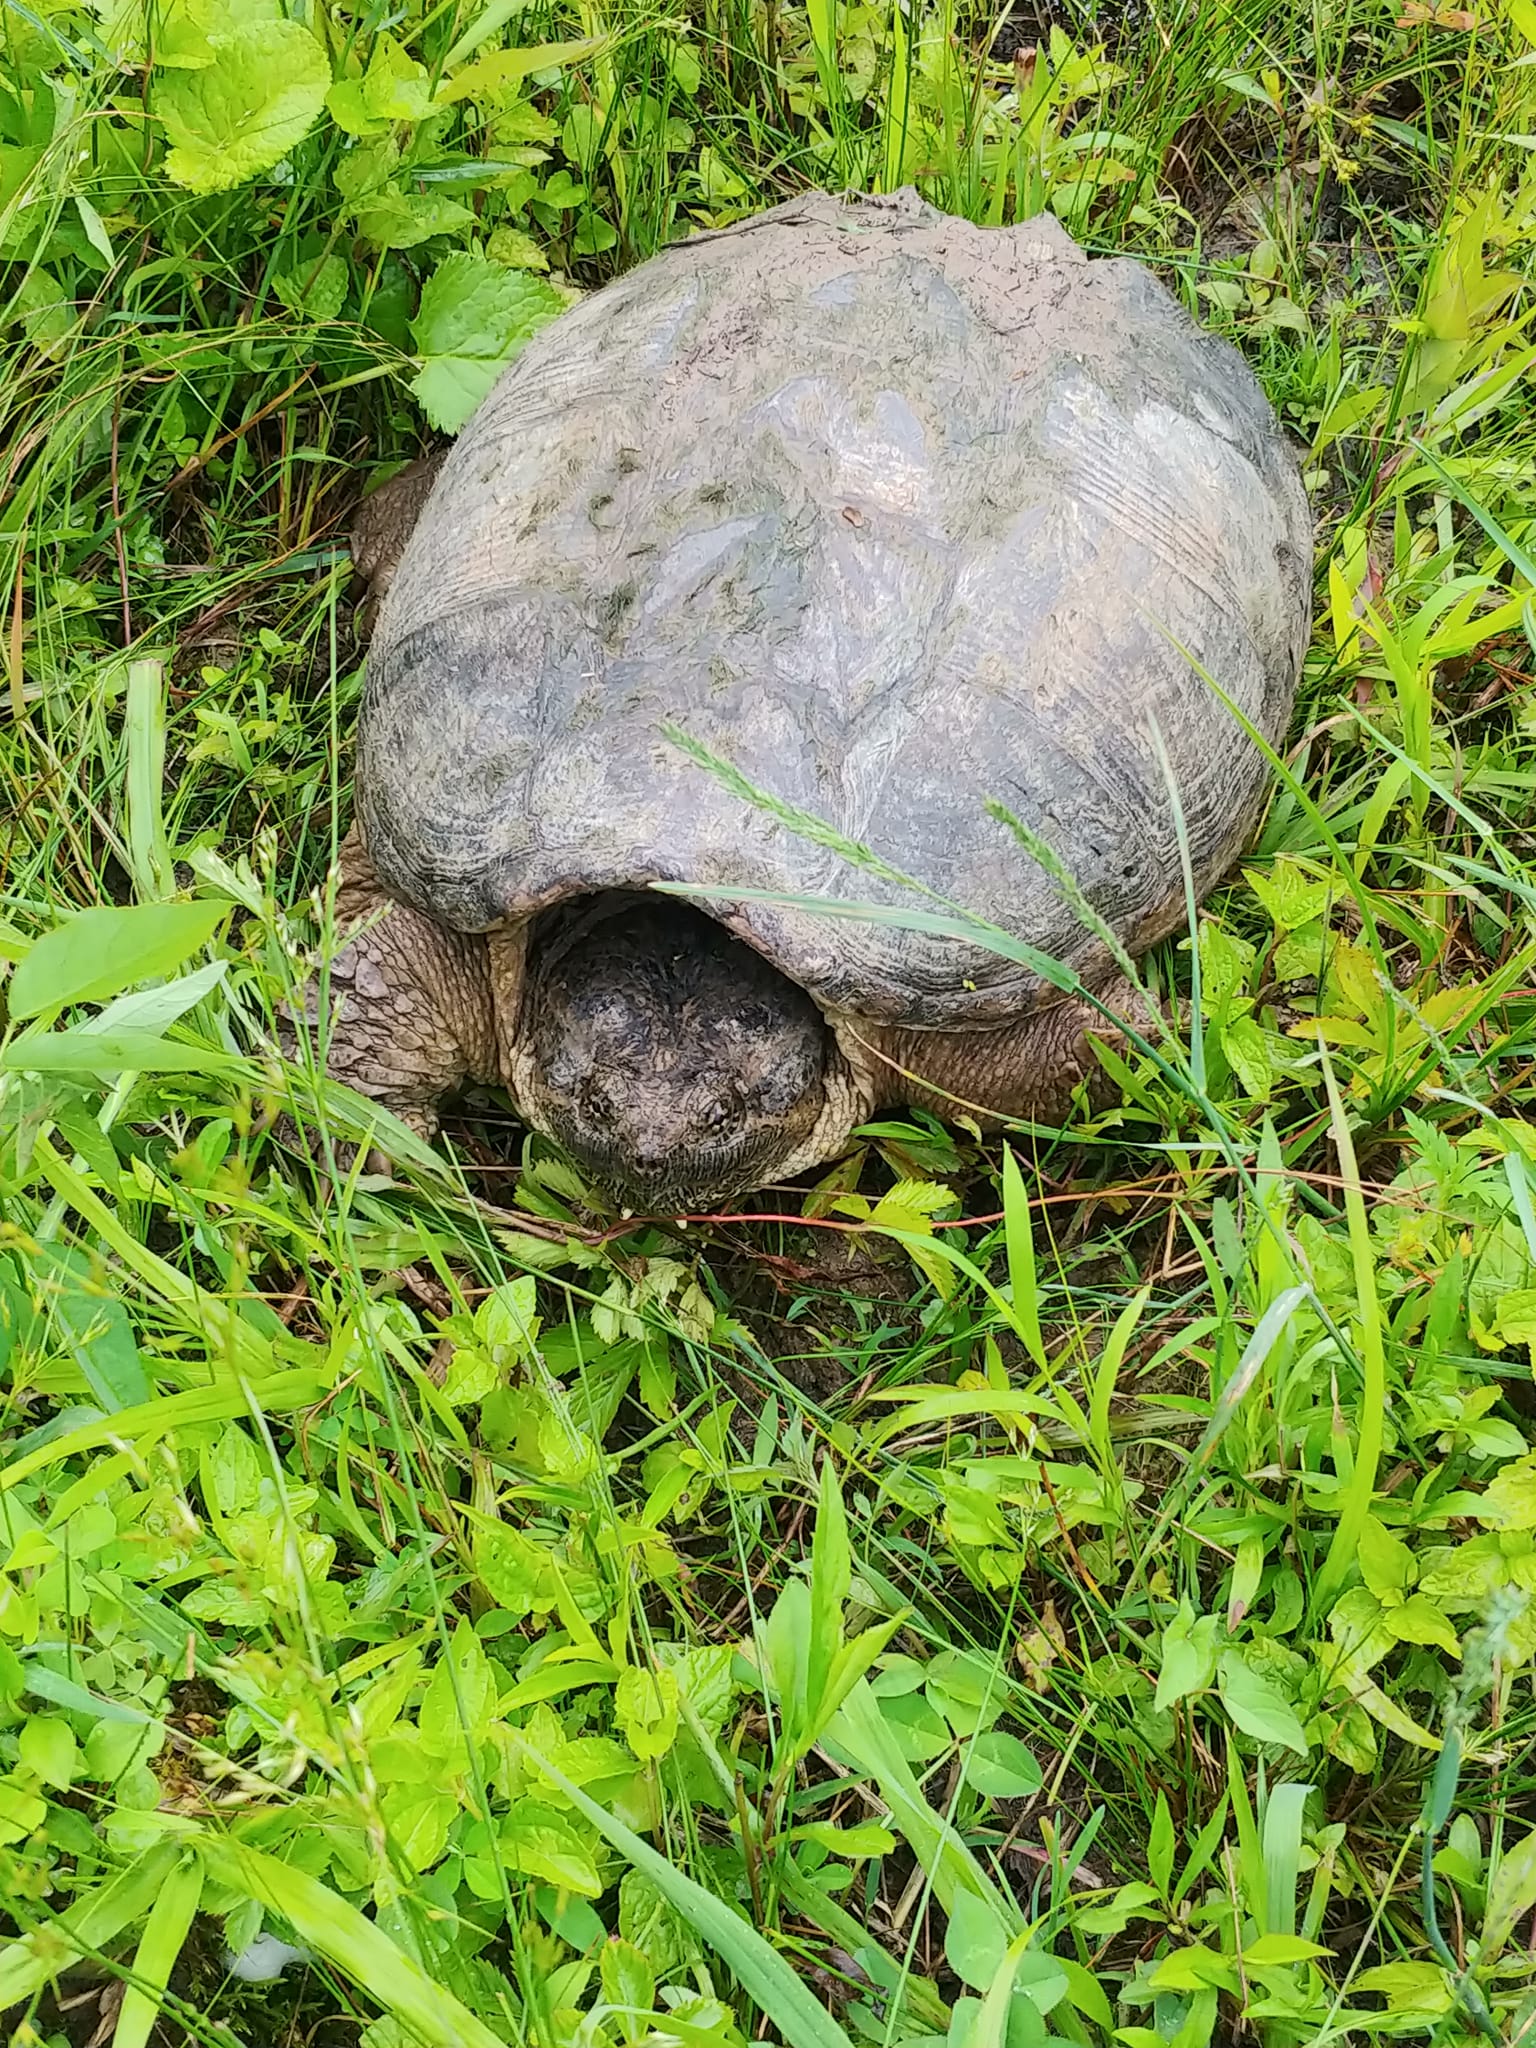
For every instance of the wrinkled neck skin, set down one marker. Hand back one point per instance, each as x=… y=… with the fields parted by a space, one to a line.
x=667 y=1059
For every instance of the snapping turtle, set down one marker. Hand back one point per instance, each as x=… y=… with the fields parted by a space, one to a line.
x=894 y=515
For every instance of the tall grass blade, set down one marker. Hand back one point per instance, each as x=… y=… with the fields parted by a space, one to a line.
x=149 y=851
x=1284 y=1814
x=30 y=1963
x=356 y=1945
x=1023 y=1277
x=1361 y=1486
x=761 y=1970
x=160 y=1944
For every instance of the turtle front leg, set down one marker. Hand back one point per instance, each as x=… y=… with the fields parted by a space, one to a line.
x=411 y=1016
x=1027 y=1070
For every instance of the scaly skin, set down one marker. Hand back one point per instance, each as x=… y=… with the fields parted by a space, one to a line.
x=413 y=1017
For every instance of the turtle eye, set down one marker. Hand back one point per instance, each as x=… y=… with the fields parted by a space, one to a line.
x=719 y=1117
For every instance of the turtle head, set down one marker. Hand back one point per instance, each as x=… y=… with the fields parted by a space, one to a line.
x=673 y=1064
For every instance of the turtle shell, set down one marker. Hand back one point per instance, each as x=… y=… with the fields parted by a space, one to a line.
x=910 y=522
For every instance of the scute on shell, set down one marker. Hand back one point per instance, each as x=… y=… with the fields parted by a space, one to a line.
x=894 y=513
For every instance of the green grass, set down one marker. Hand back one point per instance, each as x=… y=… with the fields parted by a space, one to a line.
x=1076 y=1590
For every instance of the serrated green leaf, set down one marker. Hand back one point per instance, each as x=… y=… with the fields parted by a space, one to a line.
x=397 y=87
x=1511 y=1894
x=1290 y=895
x=515 y=250
x=1245 y=1044
x=181 y=34
x=1509 y=1501
x=315 y=290
x=1225 y=961
x=1409 y=1987
x=241 y=114
x=627 y=1978
x=393 y=219
x=474 y=318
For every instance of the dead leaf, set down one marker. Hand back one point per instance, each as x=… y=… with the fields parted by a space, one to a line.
x=1416 y=13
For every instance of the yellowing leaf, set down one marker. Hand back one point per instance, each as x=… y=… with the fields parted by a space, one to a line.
x=490 y=76
x=645 y=1705
x=180 y=34
x=1292 y=897
x=1271 y=1949
x=1447 y=1006
x=1386 y=1563
x=906 y=1211
x=1418 y=1620
x=911 y=1198
x=1352 y=971
x=1348 y=584
x=394 y=88
x=1391 y=1715
x=1334 y=1031
x=1509 y=1501
x=515 y=250
x=1409 y=1987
